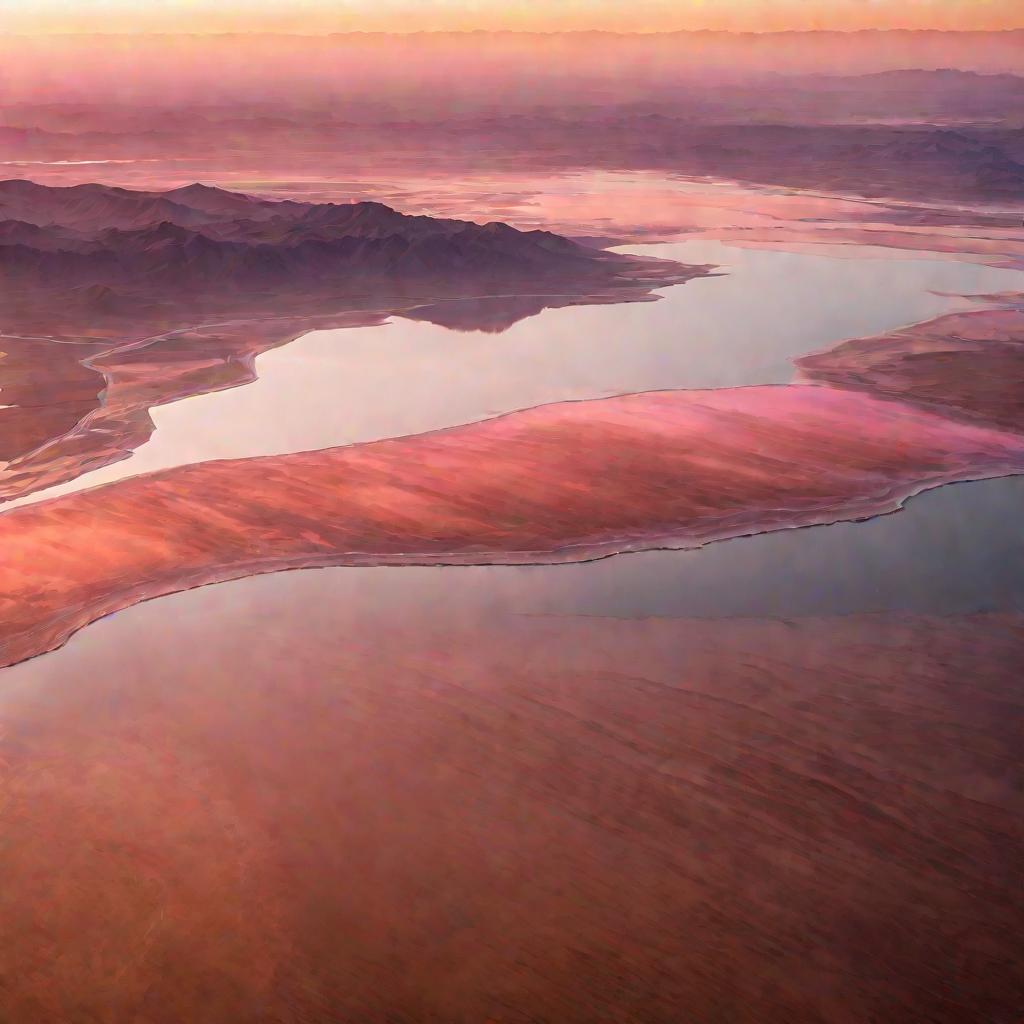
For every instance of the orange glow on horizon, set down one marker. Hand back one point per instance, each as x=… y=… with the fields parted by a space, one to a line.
x=322 y=16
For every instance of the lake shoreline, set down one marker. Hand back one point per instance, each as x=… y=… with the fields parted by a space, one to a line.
x=558 y=483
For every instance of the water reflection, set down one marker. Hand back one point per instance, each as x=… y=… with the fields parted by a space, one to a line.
x=955 y=550
x=405 y=377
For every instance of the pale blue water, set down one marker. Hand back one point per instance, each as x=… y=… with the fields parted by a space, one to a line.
x=956 y=550
x=744 y=326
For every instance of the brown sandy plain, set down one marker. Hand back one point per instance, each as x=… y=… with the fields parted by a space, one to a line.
x=312 y=813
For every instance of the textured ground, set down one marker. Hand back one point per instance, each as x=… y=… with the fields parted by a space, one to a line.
x=556 y=483
x=284 y=812
x=968 y=365
x=316 y=811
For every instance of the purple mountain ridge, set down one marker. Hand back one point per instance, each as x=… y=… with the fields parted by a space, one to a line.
x=205 y=237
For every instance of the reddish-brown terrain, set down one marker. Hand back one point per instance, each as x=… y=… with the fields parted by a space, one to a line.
x=46 y=389
x=968 y=365
x=81 y=403
x=380 y=796
x=273 y=811
x=555 y=483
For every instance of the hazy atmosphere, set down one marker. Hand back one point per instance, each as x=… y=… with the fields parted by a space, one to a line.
x=511 y=512
x=316 y=16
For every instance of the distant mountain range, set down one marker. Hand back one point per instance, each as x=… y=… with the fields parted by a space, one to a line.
x=470 y=71
x=98 y=237
x=940 y=134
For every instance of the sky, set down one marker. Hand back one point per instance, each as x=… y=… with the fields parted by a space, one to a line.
x=320 y=16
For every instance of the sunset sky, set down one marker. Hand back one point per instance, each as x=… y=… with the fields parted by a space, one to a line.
x=315 y=16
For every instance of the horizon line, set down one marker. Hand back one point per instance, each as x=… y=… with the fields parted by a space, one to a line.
x=512 y=32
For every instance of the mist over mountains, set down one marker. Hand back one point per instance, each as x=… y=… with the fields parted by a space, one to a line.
x=448 y=71
x=944 y=133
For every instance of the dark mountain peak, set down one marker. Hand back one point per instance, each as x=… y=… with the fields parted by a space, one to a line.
x=197 y=192
x=204 y=238
x=935 y=75
x=25 y=187
x=920 y=74
x=215 y=201
x=364 y=209
x=367 y=219
x=20 y=186
x=197 y=188
x=95 y=189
